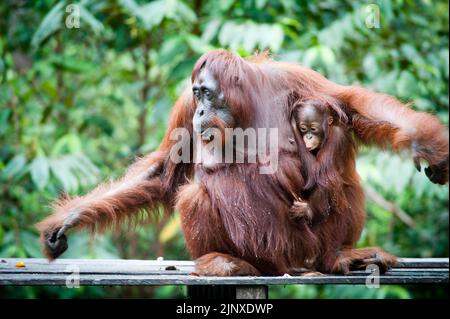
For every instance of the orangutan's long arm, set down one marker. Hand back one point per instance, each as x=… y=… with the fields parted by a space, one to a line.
x=381 y=119
x=151 y=181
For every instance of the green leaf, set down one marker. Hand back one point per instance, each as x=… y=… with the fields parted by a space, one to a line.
x=410 y=52
x=129 y=5
x=14 y=166
x=50 y=24
x=61 y=168
x=171 y=49
x=227 y=33
x=370 y=66
x=197 y=45
x=4 y=115
x=249 y=35
x=30 y=243
x=185 y=13
x=260 y=4
x=69 y=143
x=327 y=56
x=276 y=38
x=407 y=85
x=95 y=25
x=40 y=172
x=85 y=170
x=73 y=64
x=9 y=251
x=225 y=4
x=387 y=82
x=310 y=57
x=211 y=30
x=152 y=14
x=444 y=55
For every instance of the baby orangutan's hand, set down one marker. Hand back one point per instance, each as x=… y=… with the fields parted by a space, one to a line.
x=300 y=210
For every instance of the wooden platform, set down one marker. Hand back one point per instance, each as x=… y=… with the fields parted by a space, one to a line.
x=112 y=272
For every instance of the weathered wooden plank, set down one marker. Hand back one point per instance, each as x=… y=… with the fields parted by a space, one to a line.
x=405 y=272
x=121 y=266
x=170 y=272
x=139 y=280
x=396 y=272
x=96 y=266
x=423 y=263
x=66 y=261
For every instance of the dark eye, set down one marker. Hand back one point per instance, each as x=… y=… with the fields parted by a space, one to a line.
x=196 y=93
x=206 y=92
x=314 y=129
x=303 y=129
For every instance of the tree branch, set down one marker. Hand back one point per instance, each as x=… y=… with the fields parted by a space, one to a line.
x=378 y=199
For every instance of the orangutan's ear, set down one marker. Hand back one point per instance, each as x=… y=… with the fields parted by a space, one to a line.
x=330 y=120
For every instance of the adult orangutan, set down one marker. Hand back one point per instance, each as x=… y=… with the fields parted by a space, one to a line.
x=236 y=219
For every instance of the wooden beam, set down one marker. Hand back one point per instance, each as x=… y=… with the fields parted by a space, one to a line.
x=28 y=279
x=139 y=272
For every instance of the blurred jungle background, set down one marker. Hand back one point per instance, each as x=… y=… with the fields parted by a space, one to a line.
x=81 y=98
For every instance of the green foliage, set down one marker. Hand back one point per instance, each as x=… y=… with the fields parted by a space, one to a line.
x=78 y=104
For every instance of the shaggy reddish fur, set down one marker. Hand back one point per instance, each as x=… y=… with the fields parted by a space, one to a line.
x=239 y=219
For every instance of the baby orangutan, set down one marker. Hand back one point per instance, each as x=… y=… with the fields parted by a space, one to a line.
x=313 y=122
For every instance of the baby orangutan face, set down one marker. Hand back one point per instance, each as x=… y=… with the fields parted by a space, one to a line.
x=311 y=123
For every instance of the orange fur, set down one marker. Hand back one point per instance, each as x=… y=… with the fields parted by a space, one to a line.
x=233 y=210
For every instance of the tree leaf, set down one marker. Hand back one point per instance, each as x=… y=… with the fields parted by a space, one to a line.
x=211 y=30
x=50 y=24
x=276 y=37
x=4 y=115
x=197 y=44
x=83 y=168
x=227 y=33
x=68 y=143
x=185 y=13
x=62 y=170
x=171 y=49
x=224 y=5
x=407 y=85
x=30 y=243
x=259 y=4
x=251 y=36
x=95 y=25
x=40 y=172
x=14 y=166
x=152 y=13
x=73 y=64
